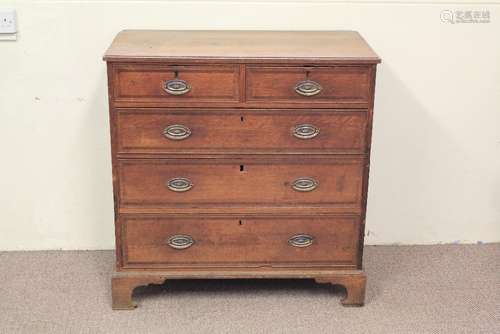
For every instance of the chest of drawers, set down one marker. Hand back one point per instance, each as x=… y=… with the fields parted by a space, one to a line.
x=240 y=154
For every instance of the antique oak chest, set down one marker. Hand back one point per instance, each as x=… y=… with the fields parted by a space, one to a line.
x=240 y=154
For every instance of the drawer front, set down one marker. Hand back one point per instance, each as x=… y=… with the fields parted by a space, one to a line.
x=164 y=131
x=202 y=241
x=301 y=180
x=309 y=85
x=163 y=83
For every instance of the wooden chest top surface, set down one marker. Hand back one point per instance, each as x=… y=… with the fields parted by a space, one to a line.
x=241 y=46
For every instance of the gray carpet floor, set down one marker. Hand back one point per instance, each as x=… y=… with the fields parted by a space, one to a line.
x=411 y=289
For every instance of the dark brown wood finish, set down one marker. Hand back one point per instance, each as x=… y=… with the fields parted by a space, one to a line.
x=235 y=159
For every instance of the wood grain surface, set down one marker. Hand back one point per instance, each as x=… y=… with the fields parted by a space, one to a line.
x=242 y=46
x=231 y=241
x=251 y=182
x=226 y=131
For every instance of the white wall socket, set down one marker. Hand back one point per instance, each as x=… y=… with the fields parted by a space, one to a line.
x=8 y=25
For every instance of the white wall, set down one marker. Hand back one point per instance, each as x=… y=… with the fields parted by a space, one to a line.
x=436 y=144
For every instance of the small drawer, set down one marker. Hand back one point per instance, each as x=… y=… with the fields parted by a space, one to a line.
x=275 y=131
x=239 y=241
x=291 y=181
x=176 y=83
x=308 y=85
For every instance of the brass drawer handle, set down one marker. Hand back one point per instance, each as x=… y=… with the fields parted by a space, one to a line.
x=301 y=240
x=308 y=88
x=180 y=241
x=177 y=132
x=305 y=184
x=176 y=87
x=179 y=184
x=305 y=131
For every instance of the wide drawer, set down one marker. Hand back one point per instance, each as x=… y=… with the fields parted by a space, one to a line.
x=309 y=85
x=299 y=180
x=164 y=131
x=176 y=83
x=199 y=241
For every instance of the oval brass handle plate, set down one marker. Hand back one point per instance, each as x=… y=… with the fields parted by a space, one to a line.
x=180 y=241
x=308 y=88
x=177 y=132
x=301 y=240
x=179 y=184
x=305 y=184
x=305 y=131
x=176 y=87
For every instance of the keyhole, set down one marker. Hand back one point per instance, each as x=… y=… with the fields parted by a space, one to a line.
x=242 y=119
x=242 y=168
x=240 y=222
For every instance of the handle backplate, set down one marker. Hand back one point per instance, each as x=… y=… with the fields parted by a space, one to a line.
x=308 y=88
x=177 y=132
x=305 y=131
x=176 y=87
x=180 y=241
x=179 y=184
x=301 y=240
x=305 y=184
